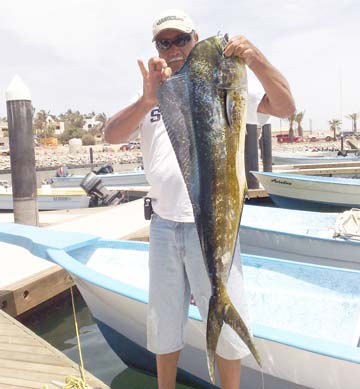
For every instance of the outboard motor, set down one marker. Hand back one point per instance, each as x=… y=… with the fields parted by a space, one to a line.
x=62 y=171
x=100 y=195
x=105 y=169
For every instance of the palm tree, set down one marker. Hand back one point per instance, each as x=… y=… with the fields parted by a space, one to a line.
x=298 y=119
x=334 y=126
x=291 y=120
x=353 y=117
x=40 y=123
x=102 y=118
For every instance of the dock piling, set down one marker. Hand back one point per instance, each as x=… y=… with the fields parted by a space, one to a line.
x=251 y=155
x=22 y=155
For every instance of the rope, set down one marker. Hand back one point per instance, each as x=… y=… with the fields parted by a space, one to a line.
x=347 y=225
x=75 y=382
x=81 y=367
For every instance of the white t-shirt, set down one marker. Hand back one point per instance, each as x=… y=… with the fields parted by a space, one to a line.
x=170 y=199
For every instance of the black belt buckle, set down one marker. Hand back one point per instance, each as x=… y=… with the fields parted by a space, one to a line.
x=148 y=210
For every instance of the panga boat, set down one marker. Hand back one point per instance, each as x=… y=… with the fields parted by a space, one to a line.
x=310 y=192
x=132 y=178
x=312 y=158
x=49 y=198
x=314 y=237
x=305 y=318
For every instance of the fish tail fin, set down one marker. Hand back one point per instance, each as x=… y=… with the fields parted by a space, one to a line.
x=222 y=310
x=213 y=329
x=233 y=319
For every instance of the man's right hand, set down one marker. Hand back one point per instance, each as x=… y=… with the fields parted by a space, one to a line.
x=152 y=79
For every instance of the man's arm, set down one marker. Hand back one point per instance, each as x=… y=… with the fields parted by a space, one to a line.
x=120 y=126
x=278 y=100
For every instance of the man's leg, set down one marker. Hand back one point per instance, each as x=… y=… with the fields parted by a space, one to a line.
x=229 y=371
x=166 y=365
x=169 y=297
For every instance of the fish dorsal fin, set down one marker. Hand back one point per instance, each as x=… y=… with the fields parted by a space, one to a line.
x=175 y=107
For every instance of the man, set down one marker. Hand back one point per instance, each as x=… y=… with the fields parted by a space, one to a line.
x=175 y=260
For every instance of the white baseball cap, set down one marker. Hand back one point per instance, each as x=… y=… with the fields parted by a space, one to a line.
x=172 y=19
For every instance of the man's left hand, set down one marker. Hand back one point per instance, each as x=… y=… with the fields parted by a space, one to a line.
x=241 y=47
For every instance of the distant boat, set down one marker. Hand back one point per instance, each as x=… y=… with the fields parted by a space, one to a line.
x=131 y=178
x=310 y=192
x=49 y=199
x=305 y=318
x=313 y=237
x=312 y=158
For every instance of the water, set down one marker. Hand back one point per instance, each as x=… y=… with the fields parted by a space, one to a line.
x=55 y=324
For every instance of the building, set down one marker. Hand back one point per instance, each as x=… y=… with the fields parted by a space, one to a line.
x=58 y=125
x=4 y=135
x=90 y=123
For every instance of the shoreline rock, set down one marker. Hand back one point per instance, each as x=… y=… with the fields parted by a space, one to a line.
x=53 y=157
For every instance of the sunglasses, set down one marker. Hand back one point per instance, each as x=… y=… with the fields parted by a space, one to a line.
x=179 y=41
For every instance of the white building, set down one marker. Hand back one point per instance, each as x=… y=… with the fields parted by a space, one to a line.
x=59 y=126
x=90 y=123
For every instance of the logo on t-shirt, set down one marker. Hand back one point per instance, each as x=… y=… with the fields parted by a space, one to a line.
x=155 y=115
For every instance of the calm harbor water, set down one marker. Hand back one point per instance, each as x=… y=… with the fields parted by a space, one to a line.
x=55 y=324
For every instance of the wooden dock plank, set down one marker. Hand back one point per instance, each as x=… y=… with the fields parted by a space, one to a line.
x=19 y=340
x=25 y=349
x=319 y=165
x=32 y=291
x=323 y=171
x=19 y=383
x=27 y=361
x=46 y=359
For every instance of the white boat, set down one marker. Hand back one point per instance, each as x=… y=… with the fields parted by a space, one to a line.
x=305 y=318
x=132 y=178
x=331 y=239
x=310 y=192
x=312 y=158
x=48 y=198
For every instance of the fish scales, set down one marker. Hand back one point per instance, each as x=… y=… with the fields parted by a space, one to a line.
x=204 y=111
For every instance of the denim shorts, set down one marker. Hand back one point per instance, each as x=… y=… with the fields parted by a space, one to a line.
x=177 y=269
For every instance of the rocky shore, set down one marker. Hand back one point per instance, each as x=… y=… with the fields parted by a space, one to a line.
x=54 y=157
x=48 y=158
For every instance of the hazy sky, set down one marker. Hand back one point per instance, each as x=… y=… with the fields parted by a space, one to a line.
x=81 y=54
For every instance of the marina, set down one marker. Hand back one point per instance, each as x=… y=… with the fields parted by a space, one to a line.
x=249 y=154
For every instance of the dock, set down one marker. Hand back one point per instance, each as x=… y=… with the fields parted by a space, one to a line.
x=27 y=361
x=330 y=168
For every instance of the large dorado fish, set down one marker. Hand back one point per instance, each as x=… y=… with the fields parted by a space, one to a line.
x=204 y=111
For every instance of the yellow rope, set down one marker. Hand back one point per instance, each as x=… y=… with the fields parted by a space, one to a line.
x=81 y=367
x=75 y=382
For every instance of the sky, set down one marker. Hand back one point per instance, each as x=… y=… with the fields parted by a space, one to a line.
x=81 y=54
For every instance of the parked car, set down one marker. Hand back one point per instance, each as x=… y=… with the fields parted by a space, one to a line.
x=284 y=138
x=350 y=133
x=134 y=145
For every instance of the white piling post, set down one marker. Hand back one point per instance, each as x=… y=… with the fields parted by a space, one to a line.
x=22 y=155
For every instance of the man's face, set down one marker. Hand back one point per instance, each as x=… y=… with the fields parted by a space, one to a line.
x=175 y=56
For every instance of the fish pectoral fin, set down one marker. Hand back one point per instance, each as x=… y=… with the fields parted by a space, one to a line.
x=213 y=329
x=229 y=104
x=233 y=319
